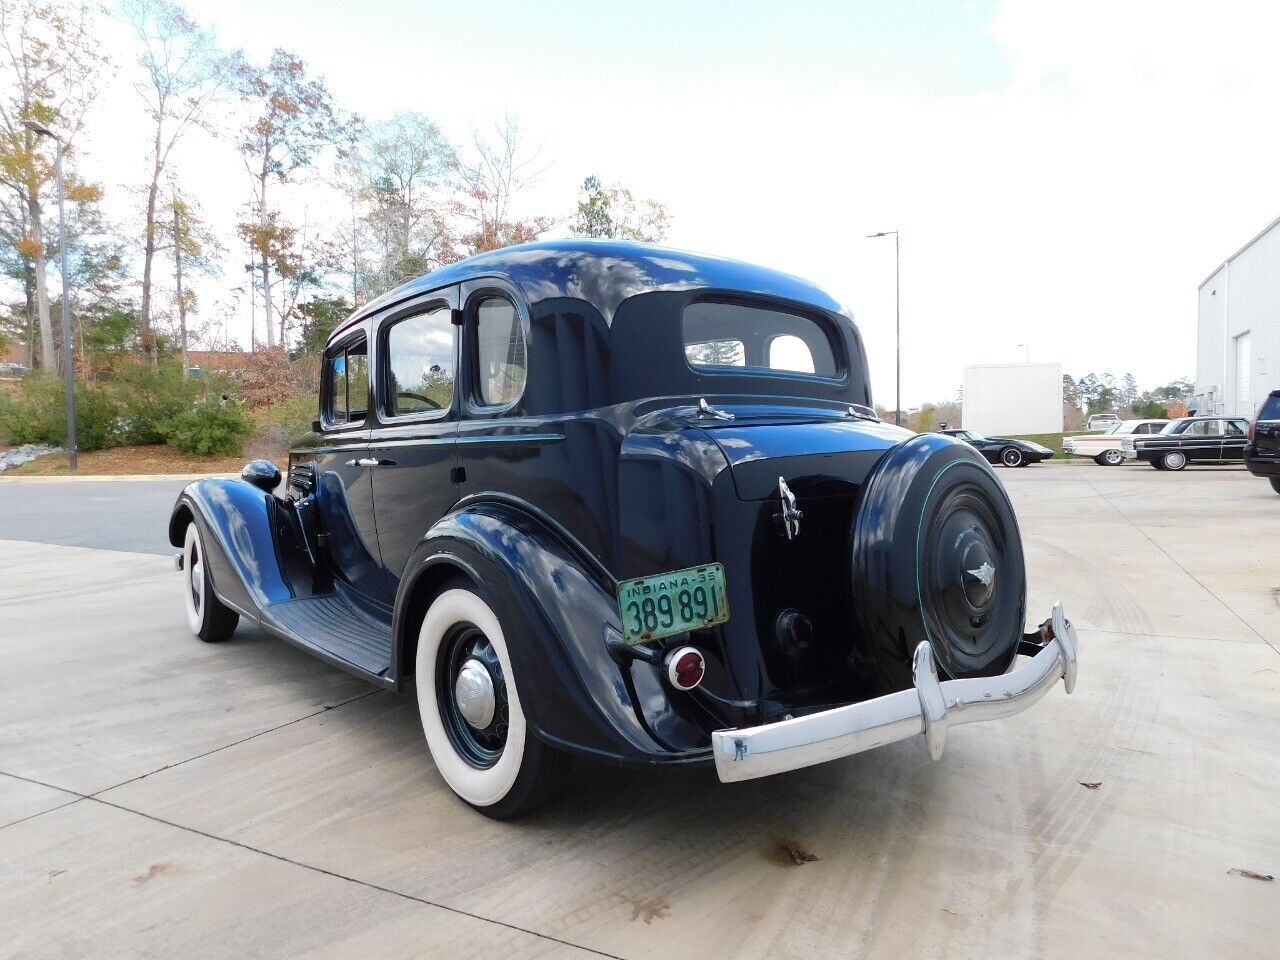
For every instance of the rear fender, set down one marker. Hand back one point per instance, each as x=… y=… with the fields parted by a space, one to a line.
x=575 y=695
x=253 y=543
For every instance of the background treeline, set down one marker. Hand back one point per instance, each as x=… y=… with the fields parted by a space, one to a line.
x=1081 y=397
x=398 y=197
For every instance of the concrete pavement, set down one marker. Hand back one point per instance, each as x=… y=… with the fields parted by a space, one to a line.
x=162 y=797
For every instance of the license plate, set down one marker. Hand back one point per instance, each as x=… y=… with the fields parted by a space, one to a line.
x=668 y=603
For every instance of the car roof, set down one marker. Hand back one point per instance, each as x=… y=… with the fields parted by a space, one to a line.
x=604 y=273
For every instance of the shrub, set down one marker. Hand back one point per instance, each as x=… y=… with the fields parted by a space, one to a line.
x=151 y=397
x=209 y=428
x=38 y=414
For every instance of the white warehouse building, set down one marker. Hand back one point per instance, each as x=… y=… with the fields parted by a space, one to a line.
x=1238 y=334
x=1002 y=399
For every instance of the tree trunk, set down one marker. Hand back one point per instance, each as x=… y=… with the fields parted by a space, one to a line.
x=148 y=255
x=48 y=358
x=266 y=301
x=263 y=243
x=177 y=278
x=29 y=292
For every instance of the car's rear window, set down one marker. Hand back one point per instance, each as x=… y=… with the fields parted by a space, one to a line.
x=720 y=334
x=1270 y=408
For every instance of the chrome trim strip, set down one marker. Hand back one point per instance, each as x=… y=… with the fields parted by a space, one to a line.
x=512 y=438
x=932 y=707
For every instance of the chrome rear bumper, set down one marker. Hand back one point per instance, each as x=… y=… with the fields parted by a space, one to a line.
x=930 y=708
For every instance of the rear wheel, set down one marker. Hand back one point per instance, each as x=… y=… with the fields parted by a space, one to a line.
x=936 y=556
x=210 y=619
x=1111 y=458
x=1011 y=457
x=1174 y=460
x=1275 y=484
x=470 y=708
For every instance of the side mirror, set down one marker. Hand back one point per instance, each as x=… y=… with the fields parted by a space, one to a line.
x=263 y=474
x=315 y=426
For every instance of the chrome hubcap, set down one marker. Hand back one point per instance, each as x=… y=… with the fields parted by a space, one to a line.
x=475 y=696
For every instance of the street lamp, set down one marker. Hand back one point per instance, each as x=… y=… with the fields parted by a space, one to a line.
x=68 y=366
x=897 y=309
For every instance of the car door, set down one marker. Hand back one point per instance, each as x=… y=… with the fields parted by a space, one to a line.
x=413 y=441
x=1234 y=438
x=501 y=448
x=344 y=492
x=1200 y=441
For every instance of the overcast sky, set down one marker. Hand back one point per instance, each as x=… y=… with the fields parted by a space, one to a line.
x=1064 y=174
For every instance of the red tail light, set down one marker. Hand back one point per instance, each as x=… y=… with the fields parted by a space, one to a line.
x=1253 y=427
x=685 y=668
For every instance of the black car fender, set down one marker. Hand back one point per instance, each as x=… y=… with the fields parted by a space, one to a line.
x=238 y=523
x=575 y=694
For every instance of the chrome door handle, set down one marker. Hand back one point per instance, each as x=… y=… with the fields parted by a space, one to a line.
x=363 y=462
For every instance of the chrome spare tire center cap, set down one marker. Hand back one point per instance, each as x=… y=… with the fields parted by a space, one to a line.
x=475 y=695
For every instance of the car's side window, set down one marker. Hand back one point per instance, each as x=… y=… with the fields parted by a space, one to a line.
x=347 y=383
x=1232 y=429
x=420 y=363
x=501 y=353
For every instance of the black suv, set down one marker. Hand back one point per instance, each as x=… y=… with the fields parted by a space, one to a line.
x=1262 y=453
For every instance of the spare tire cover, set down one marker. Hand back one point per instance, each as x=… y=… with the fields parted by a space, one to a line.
x=936 y=555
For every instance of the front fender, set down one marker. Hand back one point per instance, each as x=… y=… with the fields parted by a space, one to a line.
x=240 y=526
x=574 y=693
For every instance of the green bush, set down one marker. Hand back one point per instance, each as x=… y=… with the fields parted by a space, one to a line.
x=38 y=414
x=209 y=428
x=152 y=397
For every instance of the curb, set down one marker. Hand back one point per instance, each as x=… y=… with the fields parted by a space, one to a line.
x=112 y=477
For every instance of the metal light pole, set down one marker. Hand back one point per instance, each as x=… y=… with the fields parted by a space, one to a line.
x=897 y=310
x=68 y=361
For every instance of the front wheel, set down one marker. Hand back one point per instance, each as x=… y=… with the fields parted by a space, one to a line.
x=1111 y=458
x=470 y=708
x=1275 y=484
x=1174 y=460
x=210 y=619
x=1011 y=457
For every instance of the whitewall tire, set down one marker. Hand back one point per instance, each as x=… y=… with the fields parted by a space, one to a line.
x=209 y=618
x=1174 y=461
x=470 y=708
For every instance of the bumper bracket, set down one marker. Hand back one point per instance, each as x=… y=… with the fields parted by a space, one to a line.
x=931 y=708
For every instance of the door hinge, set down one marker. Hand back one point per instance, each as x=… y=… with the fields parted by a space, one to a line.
x=322 y=540
x=458 y=475
x=455 y=317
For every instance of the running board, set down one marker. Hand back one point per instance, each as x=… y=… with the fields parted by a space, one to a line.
x=334 y=627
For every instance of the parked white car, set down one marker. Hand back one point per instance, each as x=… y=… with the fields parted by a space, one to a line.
x=1102 y=421
x=1105 y=448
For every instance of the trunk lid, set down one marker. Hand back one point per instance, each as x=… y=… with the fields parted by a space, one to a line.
x=817 y=457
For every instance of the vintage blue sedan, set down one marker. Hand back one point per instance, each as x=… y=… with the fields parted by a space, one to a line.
x=631 y=504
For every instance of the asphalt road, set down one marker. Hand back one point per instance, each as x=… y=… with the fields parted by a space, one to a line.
x=121 y=514
x=164 y=797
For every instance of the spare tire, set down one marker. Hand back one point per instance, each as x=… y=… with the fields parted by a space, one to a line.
x=936 y=555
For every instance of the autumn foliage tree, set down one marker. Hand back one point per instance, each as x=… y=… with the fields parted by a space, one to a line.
x=292 y=117
x=50 y=59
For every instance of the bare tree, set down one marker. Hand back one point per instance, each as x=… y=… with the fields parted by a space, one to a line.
x=50 y=58
x=501 y=168
x=184 y=73
x=405 y=166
